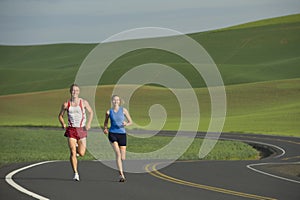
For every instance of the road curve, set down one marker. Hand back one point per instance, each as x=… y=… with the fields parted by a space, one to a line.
x=207 y=180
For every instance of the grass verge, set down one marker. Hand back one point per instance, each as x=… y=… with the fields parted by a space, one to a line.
x=19 y=144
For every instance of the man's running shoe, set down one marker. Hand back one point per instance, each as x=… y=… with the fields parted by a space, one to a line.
x=76 y=177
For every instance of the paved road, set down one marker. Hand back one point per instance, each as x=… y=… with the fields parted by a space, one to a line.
x=208 y=180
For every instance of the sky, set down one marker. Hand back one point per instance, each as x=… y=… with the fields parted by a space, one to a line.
x=29 y=22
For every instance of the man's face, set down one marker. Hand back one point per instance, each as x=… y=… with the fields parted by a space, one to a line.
x=75 y=91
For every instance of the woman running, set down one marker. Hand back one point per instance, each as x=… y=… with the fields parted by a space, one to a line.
x=117 y=133
x=78 y=125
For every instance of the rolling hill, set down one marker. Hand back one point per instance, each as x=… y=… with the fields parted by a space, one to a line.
x=259 y=51
x=259 y=63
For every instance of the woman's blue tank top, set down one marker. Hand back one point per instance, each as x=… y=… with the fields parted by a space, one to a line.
x=116 y=121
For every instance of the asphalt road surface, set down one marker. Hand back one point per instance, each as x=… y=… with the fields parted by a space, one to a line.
x=207 y=180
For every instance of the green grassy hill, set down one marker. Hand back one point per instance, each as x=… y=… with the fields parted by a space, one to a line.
x=266 y=107
x=267 y=22
x=38 y=68
x=259 y=51
x=259 y=63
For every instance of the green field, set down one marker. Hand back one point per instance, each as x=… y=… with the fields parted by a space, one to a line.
x=259 y=63
x=265 y=107
x=267 y=50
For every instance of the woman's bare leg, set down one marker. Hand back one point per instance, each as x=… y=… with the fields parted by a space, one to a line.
x=120 y=152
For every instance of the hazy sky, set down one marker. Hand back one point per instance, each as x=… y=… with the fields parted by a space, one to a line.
x=88 y=21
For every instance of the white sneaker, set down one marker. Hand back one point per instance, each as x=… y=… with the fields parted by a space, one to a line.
x=76 y=177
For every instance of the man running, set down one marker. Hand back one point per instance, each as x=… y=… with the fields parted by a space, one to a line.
x=78 y=125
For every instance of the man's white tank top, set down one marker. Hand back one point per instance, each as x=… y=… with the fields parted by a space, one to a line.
x=76 y=115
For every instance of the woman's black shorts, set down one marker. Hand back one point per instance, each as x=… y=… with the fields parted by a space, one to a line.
x=121 y=139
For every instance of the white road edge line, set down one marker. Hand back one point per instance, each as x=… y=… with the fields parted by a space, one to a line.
x=9 y=177
x=10 y=181
x=250 y=166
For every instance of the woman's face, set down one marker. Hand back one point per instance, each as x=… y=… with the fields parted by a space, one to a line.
x=116 y=101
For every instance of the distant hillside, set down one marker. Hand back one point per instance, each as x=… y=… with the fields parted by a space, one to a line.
x=259 y=51
x=267 y=22
x=38 y=68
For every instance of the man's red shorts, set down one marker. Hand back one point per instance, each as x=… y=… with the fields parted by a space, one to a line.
x=76 y=133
